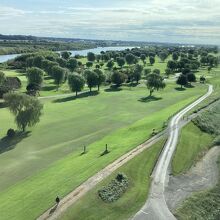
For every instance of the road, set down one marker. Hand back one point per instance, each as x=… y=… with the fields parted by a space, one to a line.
x=156 y=208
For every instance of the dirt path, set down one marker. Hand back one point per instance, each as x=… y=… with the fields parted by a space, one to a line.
x=81 y=190
x=203 y=175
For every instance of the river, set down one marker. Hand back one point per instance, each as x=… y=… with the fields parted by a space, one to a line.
x=4 y=58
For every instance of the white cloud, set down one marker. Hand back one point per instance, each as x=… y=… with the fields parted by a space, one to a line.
x=161 y=20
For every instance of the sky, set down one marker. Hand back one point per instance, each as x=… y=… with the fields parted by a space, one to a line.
x=176 y=21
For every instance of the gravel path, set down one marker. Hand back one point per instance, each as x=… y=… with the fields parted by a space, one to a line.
x=202 y=176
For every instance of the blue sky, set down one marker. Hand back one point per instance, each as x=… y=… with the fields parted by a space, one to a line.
x=185 y=21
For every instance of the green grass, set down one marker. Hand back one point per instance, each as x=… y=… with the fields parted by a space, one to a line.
x=192 y=142
x=138 y=171
x=34 y=153
x=47 y=162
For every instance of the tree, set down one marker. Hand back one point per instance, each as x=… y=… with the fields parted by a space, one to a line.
x=157 y=71
x=91 y=57
x=118 y=78
x=35 y=75
x=32 y=89
x=91 y=79
x=182 y=80
x=76 y=82
x=202 y=79
x=72 y=64
x=186 y=71
x=143 y=58
x=110 y=64
x=89 y=64
x=172 y=65
x=152 y=60
x=27 y=109
x=137 y=72
x=163 y=56
x=129 y=58
x=2 y=78
x=175 y=56
x=65 y=55
x=120 y=61
x=37 y=61
x=62 y=62
x=155 y=82
x=168 y=72
x=101 y=77
x=147 y=71
x=191 y=77
x=59 y=74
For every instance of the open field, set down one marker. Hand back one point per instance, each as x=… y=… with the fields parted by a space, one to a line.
x=35 y=157
x=138 y=171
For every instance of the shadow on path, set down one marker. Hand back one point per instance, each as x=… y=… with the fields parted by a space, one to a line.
x=53 y=209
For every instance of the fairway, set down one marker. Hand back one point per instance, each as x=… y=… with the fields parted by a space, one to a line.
x=65 y=127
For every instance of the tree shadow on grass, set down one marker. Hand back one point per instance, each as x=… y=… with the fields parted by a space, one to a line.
x=132 y=84
x=2 y=105
x=113 y=89
x=189 y=86
x=149 y=99
x=48 y=77
x=48 y=88
x=81 y=95
x=7 y=144
x=180 y=89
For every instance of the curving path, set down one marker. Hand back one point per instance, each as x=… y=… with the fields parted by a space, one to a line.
x=156 y=208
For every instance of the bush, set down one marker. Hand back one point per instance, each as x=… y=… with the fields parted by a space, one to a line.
x=10 y=133
x=114 y=190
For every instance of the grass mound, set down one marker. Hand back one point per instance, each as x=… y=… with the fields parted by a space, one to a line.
x=115 y=189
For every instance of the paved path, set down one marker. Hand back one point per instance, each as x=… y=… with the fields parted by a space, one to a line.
x=71 y=198
x=156 y=207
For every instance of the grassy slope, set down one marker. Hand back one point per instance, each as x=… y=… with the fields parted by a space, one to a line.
x=64 y=175
x=203 y=205
x=191 y=143
x=138 y=170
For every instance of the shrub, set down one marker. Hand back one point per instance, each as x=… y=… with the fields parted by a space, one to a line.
x=114 y=190
x=10 y=133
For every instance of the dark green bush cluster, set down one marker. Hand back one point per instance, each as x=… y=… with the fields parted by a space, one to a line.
x=114 y=190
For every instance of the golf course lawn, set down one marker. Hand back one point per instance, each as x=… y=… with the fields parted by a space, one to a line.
x=138 y=171
x=192 y=143
x=49 y=162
